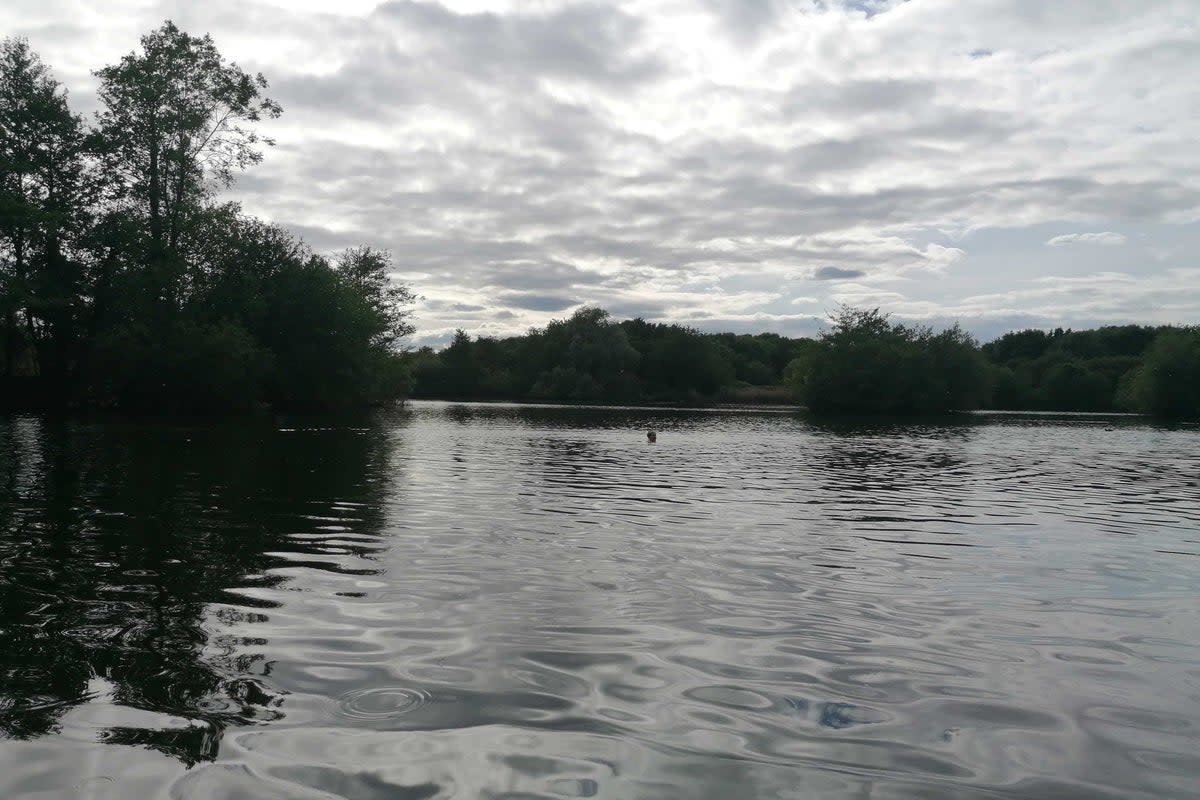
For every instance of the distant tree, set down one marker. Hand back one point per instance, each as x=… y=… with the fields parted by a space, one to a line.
x=867 y=364
x=497 y=378
x=1018 y=345
x=795 y=376
x=1069 y=386
x=1127 y=340
x=1168 y=382
x=689 y=362
x=1065 y=369
x=461 y=373
x=586 y=357
x=959 y=370
x=679 y=362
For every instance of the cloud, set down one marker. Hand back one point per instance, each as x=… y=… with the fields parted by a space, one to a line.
x=1105 y=238
x=835 y=274
x=536 y=302
x=442 y=305
x=686 y=160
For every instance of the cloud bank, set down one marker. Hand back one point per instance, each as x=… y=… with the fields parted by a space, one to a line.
x=729 y=165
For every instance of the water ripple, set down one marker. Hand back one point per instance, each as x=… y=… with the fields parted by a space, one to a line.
x=459 y=601
x=381 y=704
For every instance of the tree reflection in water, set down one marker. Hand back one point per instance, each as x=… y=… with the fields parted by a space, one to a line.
x=118 y=547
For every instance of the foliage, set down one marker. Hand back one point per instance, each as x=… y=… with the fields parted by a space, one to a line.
x=590 y=358
x=586 y=358
x=190 y=368
x=1065 y=370
x=1167 y=384
x=45 y=189
x=867 y=364
x=124 y=284
x=367 y=272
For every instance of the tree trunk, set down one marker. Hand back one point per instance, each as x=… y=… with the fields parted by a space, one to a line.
x=180 y=188
x=20 y=272
x=156 y=231
x=34 y=356
x=10 y=343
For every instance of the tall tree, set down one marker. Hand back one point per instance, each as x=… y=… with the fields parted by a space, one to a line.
x=177 y=122
x=43 y=208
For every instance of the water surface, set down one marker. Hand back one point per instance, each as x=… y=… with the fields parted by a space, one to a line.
x=498 y=601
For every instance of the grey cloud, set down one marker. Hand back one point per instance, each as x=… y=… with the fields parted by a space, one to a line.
x=360 y=86
x=835 y=274
x=581 y=42
x=632 y=309
x=745 y=20
x=873 y=95
x=435 y=340
x=322 y=239
x=441 y=305
x=535 y=276
x=536 y=302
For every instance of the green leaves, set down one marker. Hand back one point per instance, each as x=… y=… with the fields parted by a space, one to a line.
x=867 y=364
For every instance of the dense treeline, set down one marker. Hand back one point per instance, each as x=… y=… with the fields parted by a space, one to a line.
x=591 y=358
x=124 y=283
x=1117 y=368
x=865 y=363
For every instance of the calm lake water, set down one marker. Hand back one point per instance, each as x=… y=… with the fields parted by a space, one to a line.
x=484 y=601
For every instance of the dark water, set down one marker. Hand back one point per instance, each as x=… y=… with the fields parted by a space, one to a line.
x=467 y=601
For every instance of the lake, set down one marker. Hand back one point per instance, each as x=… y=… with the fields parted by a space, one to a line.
x=457 y=600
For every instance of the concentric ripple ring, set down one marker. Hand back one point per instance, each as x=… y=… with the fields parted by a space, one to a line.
x=379 y=704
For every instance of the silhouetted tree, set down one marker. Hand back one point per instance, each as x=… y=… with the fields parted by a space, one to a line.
x=367 y=271
x=177 y=121
x=44 y=196
x=867 y=364
x=122 y=282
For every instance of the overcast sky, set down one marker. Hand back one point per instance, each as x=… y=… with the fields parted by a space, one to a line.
x=732 y=164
